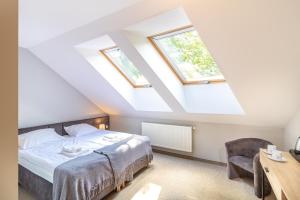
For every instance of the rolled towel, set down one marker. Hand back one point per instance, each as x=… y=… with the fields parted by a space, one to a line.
x=71 y=148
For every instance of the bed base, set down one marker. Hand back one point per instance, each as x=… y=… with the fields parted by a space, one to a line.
x=42 y=189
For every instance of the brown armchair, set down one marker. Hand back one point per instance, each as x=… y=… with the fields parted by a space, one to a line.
x=243 y=160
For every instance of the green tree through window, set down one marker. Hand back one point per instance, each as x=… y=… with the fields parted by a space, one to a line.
x=120 y=60
x=189 y=56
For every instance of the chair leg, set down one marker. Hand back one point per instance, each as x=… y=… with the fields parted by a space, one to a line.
x=119 y=188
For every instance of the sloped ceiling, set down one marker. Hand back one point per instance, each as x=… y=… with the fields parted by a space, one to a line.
x=42 y=20
x=255 y=43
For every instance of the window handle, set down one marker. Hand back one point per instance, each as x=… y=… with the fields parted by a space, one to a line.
x=267 y=169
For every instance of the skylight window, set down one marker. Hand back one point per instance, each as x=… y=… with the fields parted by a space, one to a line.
x=121 y=62
x=188 y=56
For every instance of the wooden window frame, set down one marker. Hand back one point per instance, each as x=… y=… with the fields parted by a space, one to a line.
x=168 y=62
x=102 y=52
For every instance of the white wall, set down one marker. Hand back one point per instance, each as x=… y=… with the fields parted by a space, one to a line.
x=208 y=138
x=44 y=97
x=292 y=132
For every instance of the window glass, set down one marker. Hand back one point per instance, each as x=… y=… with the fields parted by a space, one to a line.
x=126 y=67
x=188 y=56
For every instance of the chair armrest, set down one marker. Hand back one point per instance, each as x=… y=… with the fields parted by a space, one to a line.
x=258 y=174
x=256 y=163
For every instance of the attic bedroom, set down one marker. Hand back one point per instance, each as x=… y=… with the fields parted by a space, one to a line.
x=150 y=100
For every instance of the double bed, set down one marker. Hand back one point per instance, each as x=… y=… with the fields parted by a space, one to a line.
x=107 y=160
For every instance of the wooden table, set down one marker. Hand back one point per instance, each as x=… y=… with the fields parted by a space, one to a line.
x=284 y=177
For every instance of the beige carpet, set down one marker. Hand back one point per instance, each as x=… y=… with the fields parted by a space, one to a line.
x=172 y=178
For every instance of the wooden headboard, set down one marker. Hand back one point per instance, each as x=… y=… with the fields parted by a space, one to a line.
x=59 y=127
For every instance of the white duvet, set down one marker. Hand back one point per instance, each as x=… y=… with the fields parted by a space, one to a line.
x=43 y=160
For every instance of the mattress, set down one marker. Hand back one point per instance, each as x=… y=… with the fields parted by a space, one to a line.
x=43 y=160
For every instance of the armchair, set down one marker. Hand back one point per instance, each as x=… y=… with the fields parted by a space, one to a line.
x=243 y=160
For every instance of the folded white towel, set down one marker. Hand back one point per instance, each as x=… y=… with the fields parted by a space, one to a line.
x=112 y=139
x=71 y=148
x=115 y=138
x=111 y=136
x=68 y=154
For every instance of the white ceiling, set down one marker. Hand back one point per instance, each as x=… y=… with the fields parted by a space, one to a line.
x=42 y=20
x=255 y=43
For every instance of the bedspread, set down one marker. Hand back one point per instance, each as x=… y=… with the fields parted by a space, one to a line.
x=85 y=177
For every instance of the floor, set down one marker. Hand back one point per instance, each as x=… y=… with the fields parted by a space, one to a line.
x=172 y=178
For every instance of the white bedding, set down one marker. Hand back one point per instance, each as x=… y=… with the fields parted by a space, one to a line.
x=43 y=160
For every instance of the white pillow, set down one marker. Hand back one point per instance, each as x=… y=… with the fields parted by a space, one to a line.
x=37 y=137
x=80 y=129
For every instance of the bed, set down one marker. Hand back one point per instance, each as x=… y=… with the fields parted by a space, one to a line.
x=109 y=160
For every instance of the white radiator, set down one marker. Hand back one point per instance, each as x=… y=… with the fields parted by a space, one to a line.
x=169 y=136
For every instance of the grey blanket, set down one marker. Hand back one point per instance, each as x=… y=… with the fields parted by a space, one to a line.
x=84 y=178
x=122 y=155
